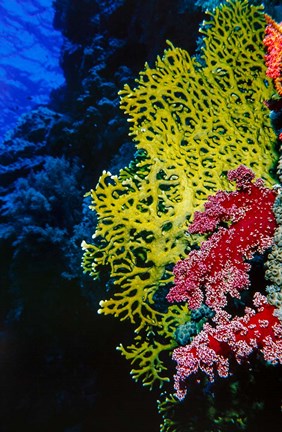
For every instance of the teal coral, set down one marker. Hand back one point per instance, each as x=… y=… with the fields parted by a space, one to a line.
x=198 y=317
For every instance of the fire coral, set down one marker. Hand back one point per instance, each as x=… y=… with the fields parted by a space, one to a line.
x=220 y=267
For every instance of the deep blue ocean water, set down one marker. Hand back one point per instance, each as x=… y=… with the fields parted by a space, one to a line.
x=29 y=58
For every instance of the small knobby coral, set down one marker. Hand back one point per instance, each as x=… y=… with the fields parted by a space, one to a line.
x=192 y=120
x=220 y=265
x=220 y=268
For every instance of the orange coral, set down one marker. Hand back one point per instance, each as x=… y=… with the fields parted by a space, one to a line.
x=273 y=43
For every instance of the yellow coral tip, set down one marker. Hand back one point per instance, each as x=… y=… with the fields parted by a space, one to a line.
x=84 y=245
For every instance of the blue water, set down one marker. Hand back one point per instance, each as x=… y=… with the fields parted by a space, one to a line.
x=29 y=58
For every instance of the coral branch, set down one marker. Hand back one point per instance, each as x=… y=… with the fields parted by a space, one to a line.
x=220 y=265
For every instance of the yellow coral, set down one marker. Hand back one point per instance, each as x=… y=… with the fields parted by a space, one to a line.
x=166 y=408
x=192 y=120
x=145 y=355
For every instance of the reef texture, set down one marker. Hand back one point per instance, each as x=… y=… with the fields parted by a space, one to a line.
x=192 y=119
x=220 y=265
x=211 y=350
x=218 y=269
x=52 y=342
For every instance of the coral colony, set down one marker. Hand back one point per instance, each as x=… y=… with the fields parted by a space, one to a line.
x=220 y=266
x=200 y=126
x=220 y=263
x=210 y=350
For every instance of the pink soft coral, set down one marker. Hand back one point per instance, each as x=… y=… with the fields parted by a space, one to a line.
x=220 y=266
x=210 y=350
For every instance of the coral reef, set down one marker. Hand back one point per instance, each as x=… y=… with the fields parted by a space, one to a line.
x=218 y=267
x=48 y=307
x=198 y=317
x=247 y=400
x=56 y=369
x=186 y=141
x=212 y=348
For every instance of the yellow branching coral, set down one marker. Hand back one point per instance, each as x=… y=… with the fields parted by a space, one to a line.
x=145 y=354
x=192 y=120
x=166 y=408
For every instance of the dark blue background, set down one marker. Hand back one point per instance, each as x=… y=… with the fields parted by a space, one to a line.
x=29 y=58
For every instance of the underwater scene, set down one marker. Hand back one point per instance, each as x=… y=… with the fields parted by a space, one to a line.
x=141 y=216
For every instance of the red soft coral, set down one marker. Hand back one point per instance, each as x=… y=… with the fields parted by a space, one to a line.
x=210 y=350
x=220 y=266
x=273 y=43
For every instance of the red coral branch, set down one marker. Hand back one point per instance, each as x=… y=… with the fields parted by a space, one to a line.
x=209 y=351
x=273 y=43
x=220 y=266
